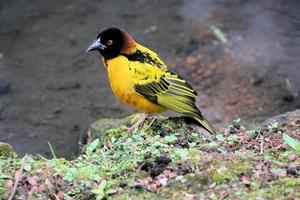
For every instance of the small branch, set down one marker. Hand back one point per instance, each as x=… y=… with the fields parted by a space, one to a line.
x=89 y=137
x=56 y=197
x=18 y=177
x=153 y=120
x=262 y=141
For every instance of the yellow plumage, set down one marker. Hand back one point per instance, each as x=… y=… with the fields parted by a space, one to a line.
x=122 y=81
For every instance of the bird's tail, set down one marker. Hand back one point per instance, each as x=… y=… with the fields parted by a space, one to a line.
x=206 y=124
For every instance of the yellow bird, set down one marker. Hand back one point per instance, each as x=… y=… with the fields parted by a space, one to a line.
x=139 y=78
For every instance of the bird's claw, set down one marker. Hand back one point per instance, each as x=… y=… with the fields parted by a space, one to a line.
x=137 y=124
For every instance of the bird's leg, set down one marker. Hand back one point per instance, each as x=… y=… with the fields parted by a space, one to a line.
x=140 y=122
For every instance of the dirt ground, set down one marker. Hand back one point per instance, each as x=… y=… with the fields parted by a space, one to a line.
x=50 y=90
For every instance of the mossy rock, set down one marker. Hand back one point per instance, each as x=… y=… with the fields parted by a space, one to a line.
x=283 y=118
x=159 y=124
x=6 y=149
x=102 y=126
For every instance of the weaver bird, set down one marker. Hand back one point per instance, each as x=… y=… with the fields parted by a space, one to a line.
x=139 y=78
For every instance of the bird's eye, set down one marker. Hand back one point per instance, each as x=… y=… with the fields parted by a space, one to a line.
x=110 y=42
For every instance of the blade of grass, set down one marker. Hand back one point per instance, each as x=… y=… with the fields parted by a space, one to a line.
x=52 y=151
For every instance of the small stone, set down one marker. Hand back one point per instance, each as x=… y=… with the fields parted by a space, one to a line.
x=223 y=194
x=32 y=180
x=291 y=157
x=60 y=195
x=267 y=140
x=8 y=184
x=139 y=186
x=242 y=128
x=153 y=187
x=191 y=60
x=163 y=181
x=292 y=171
x=245 y=180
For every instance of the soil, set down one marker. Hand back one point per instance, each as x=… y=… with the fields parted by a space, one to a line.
x=50 y=90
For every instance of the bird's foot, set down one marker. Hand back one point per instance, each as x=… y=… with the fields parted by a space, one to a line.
x=138 y=124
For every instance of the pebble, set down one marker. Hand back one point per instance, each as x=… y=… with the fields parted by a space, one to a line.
x=163 y=181
x=191 y=60
x=8 y=184
x=292 y=171
x=291 y=157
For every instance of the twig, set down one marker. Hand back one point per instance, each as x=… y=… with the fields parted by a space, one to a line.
x=152 y=121
x=261 y=143
x=89 y=137
x=56 y=197
x=219 y=34
x=18 y=176
x=42 y=157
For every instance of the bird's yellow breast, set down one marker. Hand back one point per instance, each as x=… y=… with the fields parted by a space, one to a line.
x=122 y=84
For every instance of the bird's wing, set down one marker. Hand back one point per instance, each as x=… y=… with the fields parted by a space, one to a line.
x=170 y=91
x=145 y=56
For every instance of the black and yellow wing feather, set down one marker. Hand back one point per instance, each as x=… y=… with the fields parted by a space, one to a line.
x=165 y=88
x=174 y=93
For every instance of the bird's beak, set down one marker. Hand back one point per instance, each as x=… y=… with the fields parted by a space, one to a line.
x=96 y=45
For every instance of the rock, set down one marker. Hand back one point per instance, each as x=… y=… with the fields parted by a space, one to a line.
x=286 y=118
x=291 y=157
x=99 y=128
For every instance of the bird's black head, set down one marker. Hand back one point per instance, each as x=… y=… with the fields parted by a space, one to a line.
x=109 y=43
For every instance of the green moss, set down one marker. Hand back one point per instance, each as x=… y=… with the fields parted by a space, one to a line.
x=279 y=189
x=137 y=194
x=113 y=166
x=221 y=175
x=6 y=149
